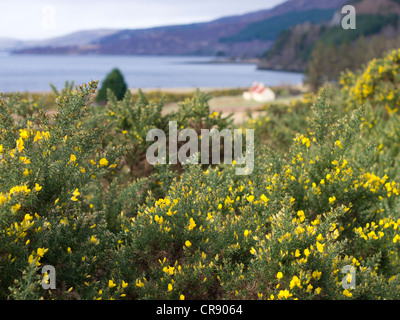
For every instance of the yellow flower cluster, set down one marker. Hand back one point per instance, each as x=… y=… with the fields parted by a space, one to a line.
x=375 y=231
x=366 y=86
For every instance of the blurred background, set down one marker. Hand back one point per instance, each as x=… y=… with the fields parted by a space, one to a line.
x=178 y=44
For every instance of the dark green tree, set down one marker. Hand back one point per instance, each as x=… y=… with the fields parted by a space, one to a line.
x=114 y=81
x=315 y=72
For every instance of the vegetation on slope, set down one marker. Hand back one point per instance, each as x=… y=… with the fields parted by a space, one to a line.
x=269 y=29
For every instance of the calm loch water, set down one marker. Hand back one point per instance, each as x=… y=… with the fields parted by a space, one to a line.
x=34 y=72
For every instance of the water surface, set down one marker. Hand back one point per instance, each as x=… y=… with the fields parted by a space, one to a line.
x=34 y=72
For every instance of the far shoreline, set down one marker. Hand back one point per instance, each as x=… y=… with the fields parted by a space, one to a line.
x=176 y=90
x=173 y=90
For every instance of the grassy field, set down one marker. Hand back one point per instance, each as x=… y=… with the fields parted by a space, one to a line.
x=241 y=109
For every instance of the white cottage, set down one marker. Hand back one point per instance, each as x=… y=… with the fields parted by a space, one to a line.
x=259 y=93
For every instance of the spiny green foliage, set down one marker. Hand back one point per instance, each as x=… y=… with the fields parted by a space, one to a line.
x=327 y=199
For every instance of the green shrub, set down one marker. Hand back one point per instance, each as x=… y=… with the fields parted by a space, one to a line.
x=114 y=82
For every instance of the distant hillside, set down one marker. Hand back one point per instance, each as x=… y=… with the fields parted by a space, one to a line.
x=269 y=29
x=76 y=38
x=243 y=35
x=79 y=38
x=378 y=28
x=9 y=44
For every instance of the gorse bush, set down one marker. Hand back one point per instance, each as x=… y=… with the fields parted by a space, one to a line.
x=77 y=194
x=46 y=167
x=128 y=121
x=378 y=83
x=279 y=123
x=377 y=87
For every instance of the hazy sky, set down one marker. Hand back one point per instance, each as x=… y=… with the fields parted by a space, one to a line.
x=40 y=19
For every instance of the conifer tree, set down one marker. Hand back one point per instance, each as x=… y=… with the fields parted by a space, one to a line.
x=114 y=81
x=315 y=75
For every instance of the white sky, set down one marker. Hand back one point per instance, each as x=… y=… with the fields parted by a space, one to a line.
x=41 y=19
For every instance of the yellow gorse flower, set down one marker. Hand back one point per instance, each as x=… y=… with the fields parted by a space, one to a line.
x=20 y=144
x=347 y=293
x=250 y=198
x=139 y=283
x=103 y=162
x=295 y=282
x=24 y=134
x=38 y=136
x=192 y=224
x=75 y=194
x=284 y=294
x=41 y=251
x=320 y=247
x=94 y=240
x=111 y=284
